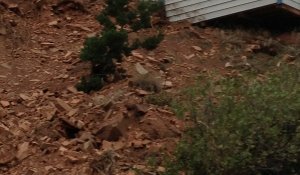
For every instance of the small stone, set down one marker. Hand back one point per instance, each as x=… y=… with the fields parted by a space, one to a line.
x=68 y=54
x=6 y=65
x=3 y=30
x=24 y=97
x=72 y=112
x=80 y=124
x=49 y=168
x=106 y=145
x=26 y=126
x=66 y=143
x=197 y=48
x=141 y=92
x=167 y=84
x=161 y=169
x=138 y=144
x=228 y=65
x=5 y=104
x=138 y=55
x=48 y=112
x=63 y=105
x=72 y=159
x=90 y=35
x=140 y=69
x=53 y=23
x=189 y=56
x=23 y=151
x=86 y=136
x=2 y=112
x=141 y=109
x=75 y=101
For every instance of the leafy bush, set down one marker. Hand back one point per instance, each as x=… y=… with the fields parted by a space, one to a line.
x=115 y=7
x=152 y=42
x=242 y=127
x=92 y=83
x=103 y=51
x=144 y=10
x=106 y=22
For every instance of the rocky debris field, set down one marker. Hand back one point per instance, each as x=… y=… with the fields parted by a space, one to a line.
x=48 y=127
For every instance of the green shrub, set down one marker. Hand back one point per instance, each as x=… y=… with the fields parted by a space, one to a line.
x=160 y=99
x=106 y=22
x=102 y=51
x=115 y=7
x=144 y=10
x=90 y=84
x=152 y=42
x=242 y=127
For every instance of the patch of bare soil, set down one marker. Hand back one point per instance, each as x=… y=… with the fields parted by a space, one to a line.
x=48 y=127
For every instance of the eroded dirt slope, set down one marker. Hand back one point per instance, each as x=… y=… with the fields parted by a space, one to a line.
x=47 y=127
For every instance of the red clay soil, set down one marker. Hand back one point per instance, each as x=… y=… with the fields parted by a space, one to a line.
x=48 y=127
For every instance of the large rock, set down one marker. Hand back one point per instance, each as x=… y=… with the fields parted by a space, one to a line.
x=136 y=110
x=113 y=129
x=157 y=128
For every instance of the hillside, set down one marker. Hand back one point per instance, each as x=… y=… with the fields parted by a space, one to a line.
x=48 y=127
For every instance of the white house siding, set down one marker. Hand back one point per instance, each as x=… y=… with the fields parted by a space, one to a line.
x=293 y=3
x=201 y=10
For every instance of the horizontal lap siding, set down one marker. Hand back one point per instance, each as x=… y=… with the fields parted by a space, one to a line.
x=200 y=10
x=293 y=3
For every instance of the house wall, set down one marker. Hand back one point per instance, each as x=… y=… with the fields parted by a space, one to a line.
x=201 y=10
x=293 y=3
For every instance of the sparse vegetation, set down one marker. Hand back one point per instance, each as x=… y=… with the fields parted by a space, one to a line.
x=160 y=99
x=144 y=11
x=103 y=51
x=242 y=127
x=152 y=42
x=92 y=83
x=147 y=82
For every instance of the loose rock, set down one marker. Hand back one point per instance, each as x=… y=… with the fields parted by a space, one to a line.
x=5 y=104
x=140 y=69
x=23 y=151
x=63 y=105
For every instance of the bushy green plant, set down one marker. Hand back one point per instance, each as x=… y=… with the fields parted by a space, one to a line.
x=103 y=51
x=90 y=84
x=152 y=42
x=242 y=127
x=106 y=22
x=144 y=10
x=115 y=7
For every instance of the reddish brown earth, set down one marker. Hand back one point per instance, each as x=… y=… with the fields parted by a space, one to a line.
x=47 y=127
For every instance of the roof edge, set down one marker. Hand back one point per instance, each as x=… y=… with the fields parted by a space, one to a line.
x=289 y=8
